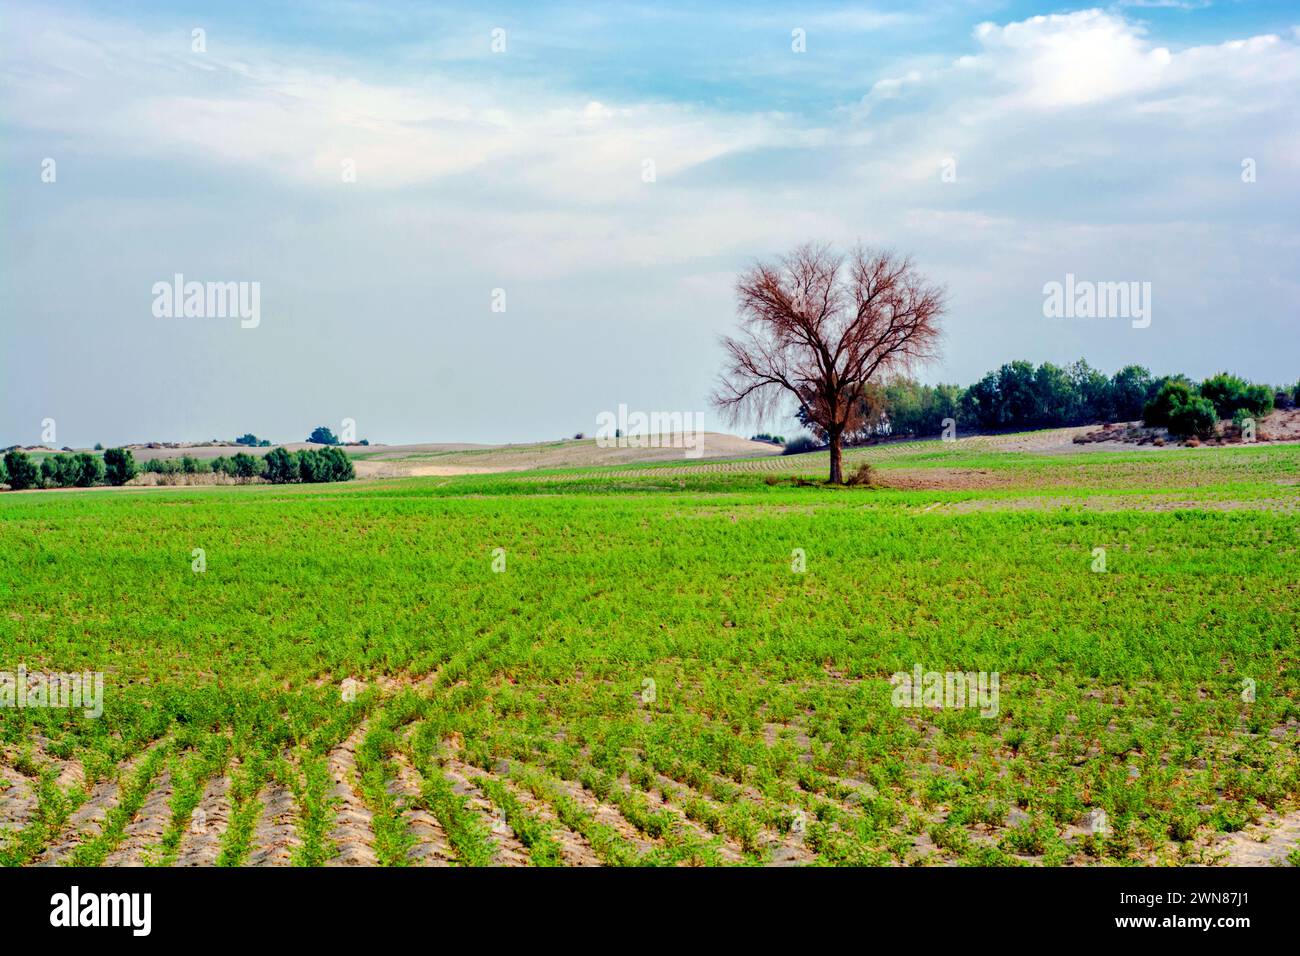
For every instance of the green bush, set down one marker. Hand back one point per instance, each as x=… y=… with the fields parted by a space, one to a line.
x=119 y=466
x=4 y=473
x=190 y=465
x=1173 y=394
x=322 y=465
x=89 y=470
x=320 y=435
x=21 y=471
x=169 y=467
x=310 y=467
x=245 y=467
x=1229 y=393
x=59 y=471
x=1196 y=417
x=338 y=466
x=281 y=467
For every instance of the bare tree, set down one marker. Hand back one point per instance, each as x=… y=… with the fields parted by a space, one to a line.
x=818 y=326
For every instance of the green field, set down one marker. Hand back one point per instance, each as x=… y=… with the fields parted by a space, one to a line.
x=648 y=681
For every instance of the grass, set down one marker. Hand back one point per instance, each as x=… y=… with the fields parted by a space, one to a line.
x=1120 y=690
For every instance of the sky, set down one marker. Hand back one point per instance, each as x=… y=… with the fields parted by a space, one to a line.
x=492 y=222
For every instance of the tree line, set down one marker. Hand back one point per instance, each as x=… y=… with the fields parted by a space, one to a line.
x=118 y=466
x=1019 y=396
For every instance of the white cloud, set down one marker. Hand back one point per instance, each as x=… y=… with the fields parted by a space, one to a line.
x=298 y=123
x=1084 y=87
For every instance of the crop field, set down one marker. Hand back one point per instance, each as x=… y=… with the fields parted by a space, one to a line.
x=686 y=663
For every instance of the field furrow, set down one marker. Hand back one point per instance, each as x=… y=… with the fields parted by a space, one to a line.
x=275 y=838
x=17 y=799
x=144 y=833
x=509 y=851
x=200 y=844
x=353 y=834
x=574 y=848
x=90 y=820
x=607 y=816
x=429 y=843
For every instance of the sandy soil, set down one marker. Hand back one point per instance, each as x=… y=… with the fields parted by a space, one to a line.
x=465 y=458
x=411 y=460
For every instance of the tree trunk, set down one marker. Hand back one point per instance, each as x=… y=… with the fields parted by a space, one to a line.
x=837 y=459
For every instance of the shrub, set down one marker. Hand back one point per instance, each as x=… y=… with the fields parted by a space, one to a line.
x=245 y=467
x=4 y=473
x=320 y=435
x=58 y=471
x=799 y=445
x=190 y=465
x=318 y=465
x=1197 y=417
x=119 y=466
x=310 y=467
x=169 y=467
x=252 y=441
x=1259 y=399
x=1282 y=399
x=66 y=471
x=88 y=470
x=337 y=465
x=1231 y=392
x=280 y=466
x=1240 y=417
x=1173 y=394
x=219 y=465
x=863 y=477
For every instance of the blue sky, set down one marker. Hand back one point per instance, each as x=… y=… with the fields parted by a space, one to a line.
x=1106 y=142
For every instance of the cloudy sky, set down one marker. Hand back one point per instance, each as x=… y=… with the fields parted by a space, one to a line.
x=380 y=170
